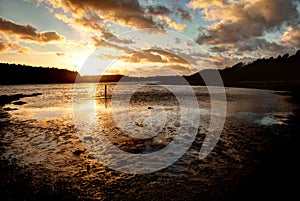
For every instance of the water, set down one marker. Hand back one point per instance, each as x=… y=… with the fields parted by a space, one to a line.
x=56 y=101
x=43 y=135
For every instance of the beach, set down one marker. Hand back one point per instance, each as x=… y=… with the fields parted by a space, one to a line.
x=44 y=158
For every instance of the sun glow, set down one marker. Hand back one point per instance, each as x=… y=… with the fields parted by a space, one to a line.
x=95 y=66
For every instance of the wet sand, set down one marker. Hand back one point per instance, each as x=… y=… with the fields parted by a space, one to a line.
x=250 y=162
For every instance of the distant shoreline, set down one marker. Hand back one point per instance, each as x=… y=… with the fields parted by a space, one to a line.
x=281 y=74
x=293 y=89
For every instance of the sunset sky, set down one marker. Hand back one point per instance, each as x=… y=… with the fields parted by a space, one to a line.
x=146 y=36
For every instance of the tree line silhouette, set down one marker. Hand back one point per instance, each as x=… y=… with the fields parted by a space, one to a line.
x=279 y=73
x=22 y=74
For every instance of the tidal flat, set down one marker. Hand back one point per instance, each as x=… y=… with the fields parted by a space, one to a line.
x=43 y=156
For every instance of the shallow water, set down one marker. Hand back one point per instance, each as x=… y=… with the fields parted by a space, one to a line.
x=57 y=101
x=43 y=135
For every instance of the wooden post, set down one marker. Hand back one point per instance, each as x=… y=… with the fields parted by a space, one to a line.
x=105 y=91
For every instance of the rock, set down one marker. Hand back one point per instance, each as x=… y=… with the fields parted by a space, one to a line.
x=88 y=167
x=9 y=109
x=150 y=108
x=78 y=152
x=19 y=103
x=36 y=94
x=88 y=138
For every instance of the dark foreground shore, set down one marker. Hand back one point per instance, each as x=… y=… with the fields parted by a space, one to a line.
x=262 y=166
x=277 y=173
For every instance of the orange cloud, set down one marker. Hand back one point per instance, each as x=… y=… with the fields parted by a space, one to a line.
x=62 y=17
x=49 y=36
x=95 y=14
x=28 y=32
x=94 y=23
x=292 y=36
x=60 y=54
x=24 y=50
x=205 y=3
x=171 y=23
x=235 y=21
x=3 y=47
x=104 y=43
x=156 y=56
x=124 y=12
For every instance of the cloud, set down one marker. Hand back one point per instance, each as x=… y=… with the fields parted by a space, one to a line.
x=118 y=39
x=63 y=17
x=205 y=3
x=95 y=14
x=219 y=48
x=185 y=15
x=151 y=70
x=104 y=43
x=292 y=36
x=182 y=70
x=23 y=50
x=15 y=29
x=143 y=56
x=157 y=10
x=28 y=32
x=60 y=54
x=114 y=38
x=153 y=55
x=93 y=22
x=4 y=36
x=227 y=61
x=160 y=12
x=171 y=23
x=240 y=30
x=234 y=21
x=254 y=44
x=246 y=51
x=124 y=12
x=3 y=47
x=49 y=36
x=90 y=22
x=163 y=10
